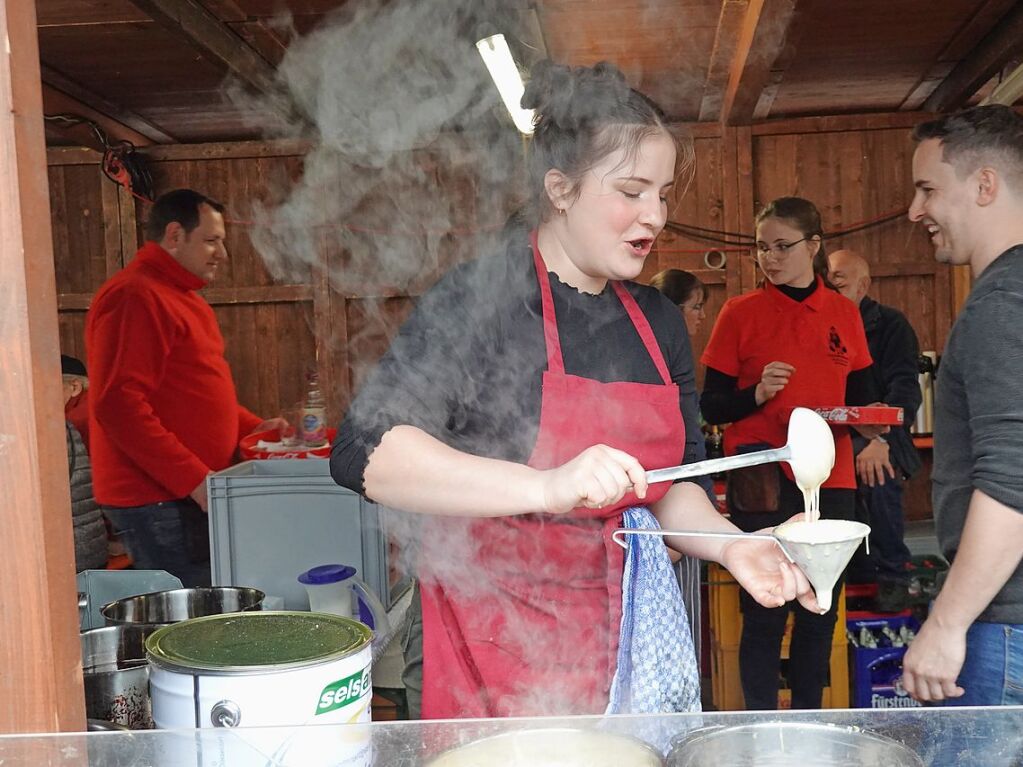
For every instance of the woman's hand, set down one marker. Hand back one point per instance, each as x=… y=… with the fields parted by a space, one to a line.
x=774 y=378
x=599 y=476
x=765 y=572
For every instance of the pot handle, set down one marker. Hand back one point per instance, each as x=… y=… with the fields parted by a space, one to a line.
x=225 y=713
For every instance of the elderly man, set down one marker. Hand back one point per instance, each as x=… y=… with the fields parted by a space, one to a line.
x=968 y=172
x=164 y=413
x=883 y=463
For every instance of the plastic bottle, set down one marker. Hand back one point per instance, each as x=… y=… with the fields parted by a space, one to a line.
x=313 y=427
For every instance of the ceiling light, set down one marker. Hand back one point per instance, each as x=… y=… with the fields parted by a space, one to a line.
x=497 y=56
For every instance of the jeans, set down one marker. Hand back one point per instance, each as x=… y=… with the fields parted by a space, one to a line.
x=992 y=674
x=170 y=535
x=881 y=508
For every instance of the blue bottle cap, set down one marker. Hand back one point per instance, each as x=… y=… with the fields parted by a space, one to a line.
x=324 y=574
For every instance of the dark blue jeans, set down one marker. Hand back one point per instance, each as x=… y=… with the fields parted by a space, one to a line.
x=171 y=536
x=883 y=506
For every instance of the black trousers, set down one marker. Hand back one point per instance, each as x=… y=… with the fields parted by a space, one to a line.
x=763 y=628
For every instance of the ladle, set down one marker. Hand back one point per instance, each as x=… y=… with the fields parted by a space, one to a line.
x=822 y=560
x=809 y=450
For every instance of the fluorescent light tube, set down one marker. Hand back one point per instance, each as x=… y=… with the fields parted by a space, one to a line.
x=497 y=56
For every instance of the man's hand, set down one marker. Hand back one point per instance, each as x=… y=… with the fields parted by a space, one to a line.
x=271 y=424
x=873 y=463
x=199 y=496
x=933 y=662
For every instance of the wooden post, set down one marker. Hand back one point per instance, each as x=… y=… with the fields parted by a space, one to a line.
x=40 y=656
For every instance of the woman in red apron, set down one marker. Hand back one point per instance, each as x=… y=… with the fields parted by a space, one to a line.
x=519 y=408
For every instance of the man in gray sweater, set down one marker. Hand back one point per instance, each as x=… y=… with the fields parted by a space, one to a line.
x=968 y=172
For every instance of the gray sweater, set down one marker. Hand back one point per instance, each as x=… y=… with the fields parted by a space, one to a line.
x=978 y=425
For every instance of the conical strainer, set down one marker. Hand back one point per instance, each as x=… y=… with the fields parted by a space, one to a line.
x=820 y=549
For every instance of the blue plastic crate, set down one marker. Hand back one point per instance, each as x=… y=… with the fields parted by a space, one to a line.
x=877 y=671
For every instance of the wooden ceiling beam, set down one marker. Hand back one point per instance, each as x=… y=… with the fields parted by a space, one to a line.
x=56 y=102
x=726 y=39
x=94 y=102
x=999 y=46
x=207 y=33
x=761 y=41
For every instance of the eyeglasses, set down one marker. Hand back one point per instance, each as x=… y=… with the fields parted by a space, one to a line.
x=780 y=249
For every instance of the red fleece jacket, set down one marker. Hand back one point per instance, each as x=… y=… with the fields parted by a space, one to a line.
x=164 y=412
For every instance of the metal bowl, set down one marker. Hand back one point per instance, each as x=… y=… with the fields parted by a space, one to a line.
x=117 y=675
x=166 y=607
x=552 y=747
x=790 y=743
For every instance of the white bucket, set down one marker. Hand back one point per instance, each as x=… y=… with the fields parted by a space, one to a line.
x=268 y=669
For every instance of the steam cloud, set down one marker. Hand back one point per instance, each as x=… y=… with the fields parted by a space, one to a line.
x=413 y=166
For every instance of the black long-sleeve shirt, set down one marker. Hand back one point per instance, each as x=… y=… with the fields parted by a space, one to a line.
x=467 y=365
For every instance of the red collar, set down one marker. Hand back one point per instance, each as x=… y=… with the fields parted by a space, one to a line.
x=781 y=302
x=153 y=257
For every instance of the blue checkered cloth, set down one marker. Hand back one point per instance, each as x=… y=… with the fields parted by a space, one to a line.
x=657 y=671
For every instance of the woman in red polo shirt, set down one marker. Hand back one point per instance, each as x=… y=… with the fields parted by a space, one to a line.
x=794 y=341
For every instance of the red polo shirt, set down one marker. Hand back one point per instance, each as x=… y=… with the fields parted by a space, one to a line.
x=821 y=337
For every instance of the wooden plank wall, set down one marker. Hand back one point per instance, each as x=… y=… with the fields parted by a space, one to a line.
x=854 y=168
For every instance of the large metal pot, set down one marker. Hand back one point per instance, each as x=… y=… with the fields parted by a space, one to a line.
x=560 y=747
x=791 y=743
x=117 y=675
x=166 y=607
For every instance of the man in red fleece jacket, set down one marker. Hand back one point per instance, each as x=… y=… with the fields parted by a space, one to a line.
x=164 y=412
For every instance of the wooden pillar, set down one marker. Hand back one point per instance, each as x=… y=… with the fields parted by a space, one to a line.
x=40 y=659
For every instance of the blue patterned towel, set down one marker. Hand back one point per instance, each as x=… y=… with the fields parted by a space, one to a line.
x=657 y=669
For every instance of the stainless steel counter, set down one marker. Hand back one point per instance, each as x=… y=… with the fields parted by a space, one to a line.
x=943 y=737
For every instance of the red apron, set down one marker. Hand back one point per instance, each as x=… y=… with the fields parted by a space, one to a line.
x=537 y=633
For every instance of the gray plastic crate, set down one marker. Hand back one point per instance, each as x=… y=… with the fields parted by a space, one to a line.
x=272 y=520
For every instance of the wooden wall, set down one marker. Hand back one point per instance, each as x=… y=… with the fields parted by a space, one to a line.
x=854 y=168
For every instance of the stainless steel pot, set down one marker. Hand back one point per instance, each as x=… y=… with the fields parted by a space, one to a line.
x=560 y=747
x=117 y=675
x=165 y=607
x=767 y=744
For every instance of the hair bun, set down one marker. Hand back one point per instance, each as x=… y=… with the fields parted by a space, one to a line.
x=567 y=97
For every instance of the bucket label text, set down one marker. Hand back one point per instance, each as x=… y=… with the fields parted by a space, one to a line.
x=344 y=691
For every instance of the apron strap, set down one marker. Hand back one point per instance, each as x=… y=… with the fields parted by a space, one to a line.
x=555 y=361
x=643 y=328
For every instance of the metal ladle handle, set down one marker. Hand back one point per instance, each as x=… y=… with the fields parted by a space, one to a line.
x=714 y=465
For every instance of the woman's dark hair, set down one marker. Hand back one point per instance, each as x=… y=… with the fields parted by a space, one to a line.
x=678 y=285
x=181 y=205
x=802 y=215
x=582 y=115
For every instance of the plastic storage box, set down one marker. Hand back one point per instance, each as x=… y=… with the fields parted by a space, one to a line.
x=270 y=521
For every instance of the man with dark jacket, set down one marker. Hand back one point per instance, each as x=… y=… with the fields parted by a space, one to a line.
x=882 y=464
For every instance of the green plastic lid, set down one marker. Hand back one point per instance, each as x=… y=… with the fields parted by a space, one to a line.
x=256 y=642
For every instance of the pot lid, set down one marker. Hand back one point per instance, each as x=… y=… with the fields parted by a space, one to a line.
x=256 y=642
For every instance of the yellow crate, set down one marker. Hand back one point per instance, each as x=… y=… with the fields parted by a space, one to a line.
x=726 y=630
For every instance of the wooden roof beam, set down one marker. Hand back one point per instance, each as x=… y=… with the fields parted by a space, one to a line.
x=94 y=102
x=726 y=39
x=57 y=102
x=999 y=46
x=761 y=42
x=207 y=33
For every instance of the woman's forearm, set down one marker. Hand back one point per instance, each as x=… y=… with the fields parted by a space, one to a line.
x=413 y=471
x=686 y=507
